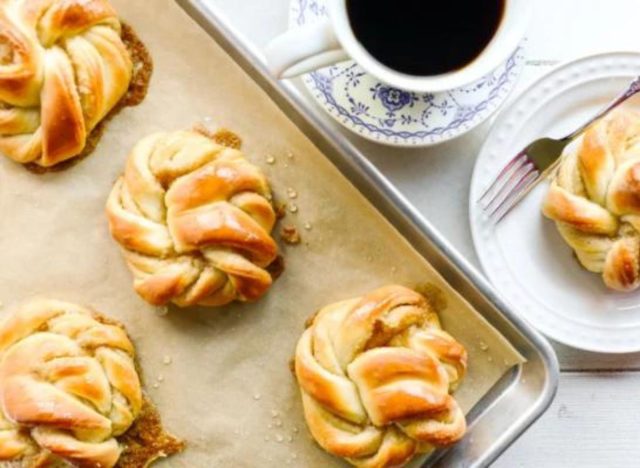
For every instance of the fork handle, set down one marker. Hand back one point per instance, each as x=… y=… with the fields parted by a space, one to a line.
x=632 y=90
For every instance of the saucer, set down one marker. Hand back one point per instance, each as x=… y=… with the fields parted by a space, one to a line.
x=395 y=117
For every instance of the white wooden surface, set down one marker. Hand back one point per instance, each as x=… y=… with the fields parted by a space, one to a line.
x=595 y=419
x=593 y=422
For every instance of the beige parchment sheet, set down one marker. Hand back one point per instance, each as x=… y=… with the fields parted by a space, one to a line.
x=227 y=390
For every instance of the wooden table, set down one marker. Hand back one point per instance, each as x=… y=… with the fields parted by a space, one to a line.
x=595 y=419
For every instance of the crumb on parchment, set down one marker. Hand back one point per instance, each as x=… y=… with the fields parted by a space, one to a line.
x=290 y=235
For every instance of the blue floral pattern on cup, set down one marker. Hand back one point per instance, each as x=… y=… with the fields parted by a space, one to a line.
x=382 y=113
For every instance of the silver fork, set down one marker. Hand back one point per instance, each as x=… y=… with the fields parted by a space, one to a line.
x=534 y=163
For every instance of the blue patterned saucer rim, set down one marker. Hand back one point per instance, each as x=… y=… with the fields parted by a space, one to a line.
x=396 y=117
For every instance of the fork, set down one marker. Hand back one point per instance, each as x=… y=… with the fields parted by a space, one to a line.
x=534 y=164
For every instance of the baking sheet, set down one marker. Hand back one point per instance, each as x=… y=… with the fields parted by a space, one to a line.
x=220 y=377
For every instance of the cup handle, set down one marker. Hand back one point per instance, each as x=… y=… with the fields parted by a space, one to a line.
x=303 y=50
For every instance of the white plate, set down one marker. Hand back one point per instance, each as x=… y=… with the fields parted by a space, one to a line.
x=391 y=116
x=524 y=256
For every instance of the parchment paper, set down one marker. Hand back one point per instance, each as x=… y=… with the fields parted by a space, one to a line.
x=220 y=377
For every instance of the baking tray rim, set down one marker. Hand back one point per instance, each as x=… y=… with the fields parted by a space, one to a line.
x=251 y=60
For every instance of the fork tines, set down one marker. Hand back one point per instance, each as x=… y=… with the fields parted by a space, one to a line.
x=514 y=182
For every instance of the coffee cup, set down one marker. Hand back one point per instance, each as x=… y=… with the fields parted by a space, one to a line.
x=342 y=36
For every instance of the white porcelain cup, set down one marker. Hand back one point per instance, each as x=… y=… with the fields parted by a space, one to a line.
x=310 y=47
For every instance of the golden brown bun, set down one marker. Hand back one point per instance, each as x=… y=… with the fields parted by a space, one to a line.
x=595 y=199
x=68 y=385
x=194 y=221
x=376 y=374
x=63 y=67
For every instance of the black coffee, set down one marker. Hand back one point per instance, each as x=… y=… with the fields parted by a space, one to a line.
x=425 y=37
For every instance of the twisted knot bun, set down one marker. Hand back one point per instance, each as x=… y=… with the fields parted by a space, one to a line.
x=376 y=374
x=595 y=200
x=68 y=385
x=194 y=219
x=63 y=67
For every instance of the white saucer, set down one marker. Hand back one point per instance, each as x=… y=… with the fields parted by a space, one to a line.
x=524 y=256
x=395 y=117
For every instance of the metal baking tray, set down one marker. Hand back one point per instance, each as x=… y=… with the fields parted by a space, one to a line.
x=525 y=392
